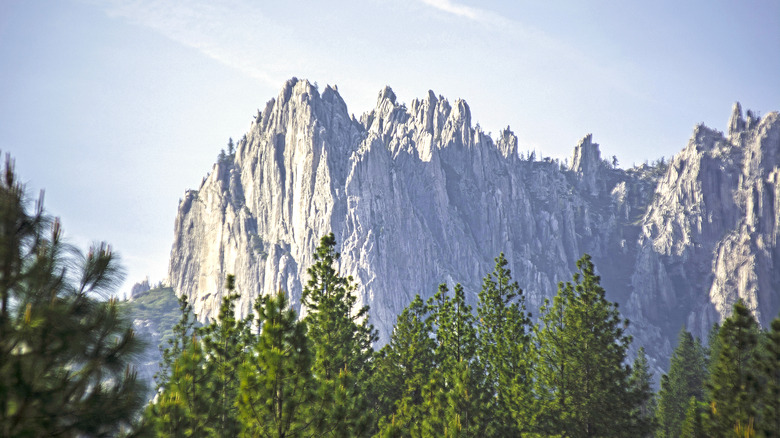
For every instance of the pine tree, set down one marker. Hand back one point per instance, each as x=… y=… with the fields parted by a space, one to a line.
x=641 y=390
x=342 y=339
x=713 y=349
x=169 y=414
x=769 y=367
x=231 y=149
x=182 y=408
x=581 y=381
x=224 y=344
x=403 y=367
x=276 y=381
x=435 y=421
x=65 y=349
x=457 y=394
x=692 y=423
x=685 y=379
x=179 y=341
x=198 y=383
x=504 y=330
x=733 y=389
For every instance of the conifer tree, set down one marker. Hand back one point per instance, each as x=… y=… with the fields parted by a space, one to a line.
x=692 y=423
x=581 y=380
x=342 y=339
x=198 y=382
x=276 y=382
x=685 y=379
x=769 y=368
x=403 y=368
x=504 y=330
x=231 y=148
x=641 y=390
x=224 y=344
x=435 y=419
x=65 y=349
x=182 y=407
x=179 y=342
x=456 y=387
x=712 y=351
x=733 y=389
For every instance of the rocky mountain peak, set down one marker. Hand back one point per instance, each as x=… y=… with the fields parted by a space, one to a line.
x=139 y=288
x=586 y=163
x=507 y=143
x=416 y=196
x=736 y=122
x=386 y=94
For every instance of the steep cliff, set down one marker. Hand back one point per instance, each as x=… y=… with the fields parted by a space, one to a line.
x=417 y=195
x=709 y=236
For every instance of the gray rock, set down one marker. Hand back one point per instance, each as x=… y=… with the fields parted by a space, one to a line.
x=139 y=288
x=736 y=122
x=416 y=196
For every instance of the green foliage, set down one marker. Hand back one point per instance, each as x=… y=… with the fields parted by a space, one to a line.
x=403 y=368
x=277 y=387
x=456 y=388
x=159 y=305
x=641 y=391
x=504 y=331
x=448 y=372
x=64 y=350
x=181 y=336
x=182 y=407
x=692 y=426
x=769 y=369
x=713 y=347
x=224 y=343
x=342 y=339
x=685 y=380
x=580 y=376
x=198 y=381
x=733 y=386
x=340 y=332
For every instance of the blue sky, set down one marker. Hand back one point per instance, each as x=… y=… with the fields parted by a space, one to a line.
x=116 y=107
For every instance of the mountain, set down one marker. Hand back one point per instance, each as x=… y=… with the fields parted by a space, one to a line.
x=154 y=312
x=417 y=196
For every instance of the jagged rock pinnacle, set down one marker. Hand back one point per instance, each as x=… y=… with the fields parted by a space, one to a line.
x=386 y=93
x=586 y=163
x=736 y=122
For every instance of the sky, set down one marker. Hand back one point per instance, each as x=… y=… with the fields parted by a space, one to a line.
x=116 y=107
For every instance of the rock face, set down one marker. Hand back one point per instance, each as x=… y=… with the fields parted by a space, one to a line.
x=417 y=196
x=139 y=288
x=709 y=236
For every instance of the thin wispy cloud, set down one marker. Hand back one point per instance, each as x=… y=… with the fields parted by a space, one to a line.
x=241 y=35
x=532 y=36
x=474 y=14
x=232 y=33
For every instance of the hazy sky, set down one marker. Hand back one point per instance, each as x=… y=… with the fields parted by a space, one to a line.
x=116 y=107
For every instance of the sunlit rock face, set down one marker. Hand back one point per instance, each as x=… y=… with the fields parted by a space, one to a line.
x=709 y=236
x=416 y=196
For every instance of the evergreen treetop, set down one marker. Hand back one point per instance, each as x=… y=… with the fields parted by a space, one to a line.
x=581 y=379
x=65 y=351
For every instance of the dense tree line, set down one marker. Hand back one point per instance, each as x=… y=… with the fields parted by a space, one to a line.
x=730 y=388
x=448 y=370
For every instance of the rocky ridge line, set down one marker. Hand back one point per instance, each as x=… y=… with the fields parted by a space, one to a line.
x=417 y=195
